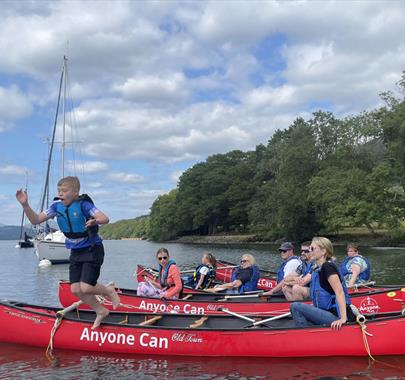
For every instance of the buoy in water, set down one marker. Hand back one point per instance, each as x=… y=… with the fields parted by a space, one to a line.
x=44 y=263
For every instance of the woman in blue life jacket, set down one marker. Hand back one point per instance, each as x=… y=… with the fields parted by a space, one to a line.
x=244 y=278
x=331 y=302
x=355 y=268
x=204 y=275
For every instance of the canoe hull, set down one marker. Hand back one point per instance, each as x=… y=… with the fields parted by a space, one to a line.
x=387 y=338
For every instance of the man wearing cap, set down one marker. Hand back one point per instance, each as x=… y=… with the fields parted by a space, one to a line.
x=291 y=264
x=296 y=286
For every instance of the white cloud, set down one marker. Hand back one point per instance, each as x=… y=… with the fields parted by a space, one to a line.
x=169 y=82
x=13 y=104
x=150 y=88
x=86 y=166
x=125 y=177
x=13 y=170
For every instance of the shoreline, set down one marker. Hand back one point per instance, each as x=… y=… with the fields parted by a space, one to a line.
x=379 y=242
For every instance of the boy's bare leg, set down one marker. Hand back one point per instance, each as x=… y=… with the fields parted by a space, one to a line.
x=99 y=289
x=101 y=311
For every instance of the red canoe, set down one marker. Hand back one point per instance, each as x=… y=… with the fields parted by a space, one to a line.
x=187 y=335
x=264 y=283
x=390 y=299
x=223 y=274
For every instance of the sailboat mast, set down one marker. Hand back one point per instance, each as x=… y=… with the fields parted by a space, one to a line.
x=48 y=170
x=64 y=117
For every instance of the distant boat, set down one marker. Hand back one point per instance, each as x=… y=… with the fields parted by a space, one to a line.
x=27 y=242
x=50 y=245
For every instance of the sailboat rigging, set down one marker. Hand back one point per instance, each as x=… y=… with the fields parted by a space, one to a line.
x=52 y=246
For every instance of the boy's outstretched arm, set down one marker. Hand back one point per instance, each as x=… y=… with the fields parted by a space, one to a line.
x=32 y=216
x=99 y=218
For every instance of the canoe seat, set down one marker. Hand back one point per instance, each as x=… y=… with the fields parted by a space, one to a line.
x=124 y=321
x=187 y=297
x=150 y=321
x=198 y=323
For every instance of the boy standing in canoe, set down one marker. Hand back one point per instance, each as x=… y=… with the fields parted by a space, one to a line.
x=78 y=218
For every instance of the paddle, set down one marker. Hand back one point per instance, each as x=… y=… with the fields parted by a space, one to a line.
x=193 y=270
x=236 y=314
x=252 y=295
x=271 y=319
x=363 y=285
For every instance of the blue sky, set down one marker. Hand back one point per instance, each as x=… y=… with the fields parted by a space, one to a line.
x=158 y=86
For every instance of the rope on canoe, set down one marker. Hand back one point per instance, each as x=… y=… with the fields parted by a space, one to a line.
x=49 y=349
x=361 y=320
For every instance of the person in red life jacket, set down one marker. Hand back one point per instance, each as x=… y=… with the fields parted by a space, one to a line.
x=355 y=268
x=291 y=265
x=244 y=279
x=331 y=302
x=78 y=218
x=204 y=274
x=168 y=284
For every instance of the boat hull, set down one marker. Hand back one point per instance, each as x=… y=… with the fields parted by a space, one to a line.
x=387 y=336
x=54 y=251
x=391 y=299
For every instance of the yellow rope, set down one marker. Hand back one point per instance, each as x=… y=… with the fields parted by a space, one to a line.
x=49 y=349
x=361 y=320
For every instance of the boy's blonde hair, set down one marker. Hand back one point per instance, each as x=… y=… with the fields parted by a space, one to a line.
x=326 y=244
x=71 y=181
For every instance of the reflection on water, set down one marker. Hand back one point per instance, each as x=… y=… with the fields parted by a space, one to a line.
x=22 y=280
x=17 y=361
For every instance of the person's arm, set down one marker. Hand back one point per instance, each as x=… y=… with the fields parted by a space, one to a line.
x=200 y=281
x=174 y=274
x=336 y=285
x=355 y=268
x=230 y=285
x=277 y=288
x=98 y=217
x=32 y=216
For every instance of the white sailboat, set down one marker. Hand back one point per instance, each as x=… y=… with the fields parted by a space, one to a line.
x=50 y=244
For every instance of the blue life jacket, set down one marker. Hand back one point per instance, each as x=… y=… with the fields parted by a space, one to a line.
x=251 y=285
x=322 y=298
x=71 y=219
x=364 y=276
x=209 y=277
x=280 y=272
x=163 y=276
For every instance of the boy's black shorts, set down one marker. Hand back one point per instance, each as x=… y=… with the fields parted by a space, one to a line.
x=85 y=264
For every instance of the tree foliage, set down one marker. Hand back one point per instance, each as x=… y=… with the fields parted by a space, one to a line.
x=318 y=175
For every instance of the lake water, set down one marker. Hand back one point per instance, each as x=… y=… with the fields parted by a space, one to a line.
x=21 y=279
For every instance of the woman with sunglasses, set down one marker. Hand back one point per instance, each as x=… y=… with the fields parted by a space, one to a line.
x=244 y=279
x=331 y=302
x=168 y=284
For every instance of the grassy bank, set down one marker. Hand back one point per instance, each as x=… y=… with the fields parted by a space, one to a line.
x=361 y=236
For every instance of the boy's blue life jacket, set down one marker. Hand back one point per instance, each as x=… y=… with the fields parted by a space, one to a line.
x=251 y=285
x=71 y=219
x=163 y=276
x=209 y=277
x=280 y=272
x=322 y=298
x=364 y=276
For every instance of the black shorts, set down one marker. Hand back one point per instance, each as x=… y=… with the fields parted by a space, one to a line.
x=85 y=264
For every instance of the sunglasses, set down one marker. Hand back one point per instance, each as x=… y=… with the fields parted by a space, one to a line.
x=282 y=250
x=305 y=250
x=244 y=261
x=162 y=258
